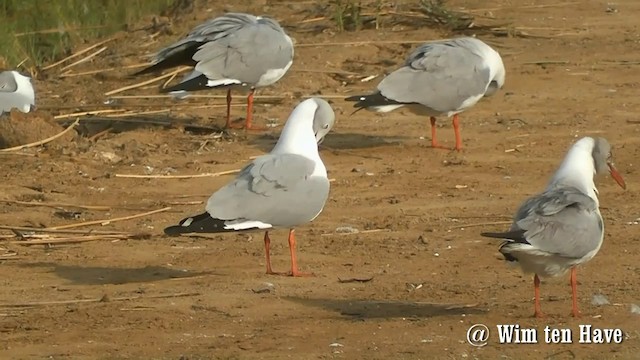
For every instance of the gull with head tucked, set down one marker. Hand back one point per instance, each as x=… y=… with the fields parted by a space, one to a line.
x=283 y=189
x=444 y=77
x=561 y=228
x=235 y=50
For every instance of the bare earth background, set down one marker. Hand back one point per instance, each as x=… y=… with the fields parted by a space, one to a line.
x=433 y=277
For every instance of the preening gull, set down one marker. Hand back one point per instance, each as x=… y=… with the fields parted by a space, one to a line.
x=235 y=50
x=283 y=189
x=443 y=77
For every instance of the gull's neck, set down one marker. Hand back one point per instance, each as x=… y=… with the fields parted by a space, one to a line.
x=577 y=169
x=298 y=137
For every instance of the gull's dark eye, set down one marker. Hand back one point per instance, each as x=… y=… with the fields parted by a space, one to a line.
x=325 y=126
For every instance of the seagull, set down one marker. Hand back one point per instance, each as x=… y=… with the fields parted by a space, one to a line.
x=235 y=50
x=561 y=227
x=444 y=77
x=283 y=189
x=16 y=91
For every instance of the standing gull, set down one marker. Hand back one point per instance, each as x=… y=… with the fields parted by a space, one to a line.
x=561 y=227
x=283 y=189
x=233 y=50
x=16 y=91
x=444 y=77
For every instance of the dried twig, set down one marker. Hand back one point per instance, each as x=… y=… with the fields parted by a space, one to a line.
x=524 y=7
x=138 y=113
x=227 y=172
x=53 y=231
x=42 y=142
x=150 y=81
x=357 y=232
x=99 y=71
x=94 y=300
x=481 y=224
x=84 y=59
x=108 y=221
x=78 y=239
x=352 y=280
x=359 y=43
x=57 y=205
x=547 y=62
x=85 y=113
x=79 y=53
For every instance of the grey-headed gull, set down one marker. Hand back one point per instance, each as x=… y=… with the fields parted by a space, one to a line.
x=443 y=77
x=16 y=91
x=233 y=50
x=283 y=189
x=561 y=227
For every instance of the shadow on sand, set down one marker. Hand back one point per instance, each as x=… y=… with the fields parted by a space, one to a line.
x=376 y=309
x=93 y=275
x=334 y=141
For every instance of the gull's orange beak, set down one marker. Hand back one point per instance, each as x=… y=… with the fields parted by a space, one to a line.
x=616 y=175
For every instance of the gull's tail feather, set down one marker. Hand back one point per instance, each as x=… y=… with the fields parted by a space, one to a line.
x=179 y=57
x=515 y=235
x=202 y=223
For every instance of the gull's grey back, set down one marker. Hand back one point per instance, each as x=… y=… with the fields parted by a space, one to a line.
x=562 y=221
x=438 y=75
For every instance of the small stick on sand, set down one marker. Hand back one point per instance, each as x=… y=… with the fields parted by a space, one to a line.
x=481 y=224
x=227 y=172
x=42 y=142
x=79 y=53
x=85 y=113
x=84 y=59
x=150 y=81
x=109 y=221
x=105 y=298
x=77 y=239
x=357 y=232
x=57 y=205
x=99 y=71
x=139 y=113
x=52 y=231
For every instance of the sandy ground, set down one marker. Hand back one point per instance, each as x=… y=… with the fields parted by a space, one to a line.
x=432 y=275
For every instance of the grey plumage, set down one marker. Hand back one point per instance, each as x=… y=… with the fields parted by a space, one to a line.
x=285 y=188
x=440 y=77
x=233 y=49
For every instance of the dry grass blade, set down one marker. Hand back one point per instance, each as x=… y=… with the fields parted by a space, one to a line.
x=100 y=71
x=227 y=172
x=357 y=232
x=109 y=221
x=84 y=59
x=87 y=113
x=54 y=231
x=57 y=205
x=94 y=300
x=42 y=142
x=481 y=224
x=139 y=113
x=147 y=82
x=79 y=239
x=79 y=53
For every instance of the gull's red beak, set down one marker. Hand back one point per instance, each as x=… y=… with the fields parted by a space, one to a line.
x=616 y=176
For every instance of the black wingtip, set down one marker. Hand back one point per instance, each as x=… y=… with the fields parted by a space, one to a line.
x=372 y=100
x=195 y=84
x=202 y=223
x=515 y=235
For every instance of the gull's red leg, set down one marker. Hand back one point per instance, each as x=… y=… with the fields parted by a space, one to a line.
x=249 y=109
x=536 y=302
x=456 y=129
x=294 y=261
x=574 y=292
x=434 y=140
x=228 y=124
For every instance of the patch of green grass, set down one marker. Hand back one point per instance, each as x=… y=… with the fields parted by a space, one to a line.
x=347 y=15
x=42 y=31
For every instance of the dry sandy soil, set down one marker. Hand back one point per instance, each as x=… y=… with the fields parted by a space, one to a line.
x=432 y=275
